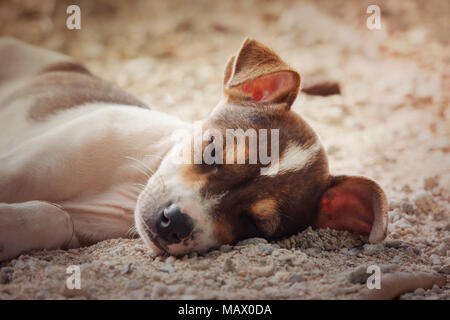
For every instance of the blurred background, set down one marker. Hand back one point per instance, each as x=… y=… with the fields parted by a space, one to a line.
x=391 y=120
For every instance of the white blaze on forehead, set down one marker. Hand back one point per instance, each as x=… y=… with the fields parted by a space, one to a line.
x=294 y=158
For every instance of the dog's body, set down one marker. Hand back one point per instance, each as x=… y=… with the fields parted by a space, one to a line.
x=76 y=154
x=52 y=155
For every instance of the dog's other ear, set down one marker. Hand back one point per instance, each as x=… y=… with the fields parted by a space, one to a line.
x=256 y=76
x=356 y=204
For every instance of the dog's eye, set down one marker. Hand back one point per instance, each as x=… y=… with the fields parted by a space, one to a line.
x=210 y=162
x=215 y=164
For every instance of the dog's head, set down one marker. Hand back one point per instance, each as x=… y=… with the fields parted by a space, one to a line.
x=253 y=168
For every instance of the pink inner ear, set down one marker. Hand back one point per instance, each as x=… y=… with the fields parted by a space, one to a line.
x=268 y=87
x=342 y=210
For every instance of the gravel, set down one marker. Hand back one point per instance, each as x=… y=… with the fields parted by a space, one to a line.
x=372 y=249
x=435 y=259
x=393 y=244
x=445 y=269
x=228 y=266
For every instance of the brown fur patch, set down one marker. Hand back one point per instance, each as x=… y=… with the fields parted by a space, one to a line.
x=265 y=212
x=67 y=66
x=61 y=90
x=223 y=230
x=52 y=81
x=192 y=176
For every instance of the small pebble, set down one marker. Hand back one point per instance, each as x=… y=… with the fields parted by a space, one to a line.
x=170 y=260
x=128 y=268
x=313 y=252
x=426 y=204
x=406 y=296
x=201 y=266
x=251 y=241
x=393 y=244
x=372 y=249
x=264 y=271
x=4 y=278
x=317 y=272
x=166 y=268
x=421 y=246
x=226 y=248
x=228 y=266
x=434 y=258
x=441 y=249
x=134 y=284
x=159 y=289
x=412 y=251
x=176 y=289
x=286 y=258
x=7 y=270
x=137 y=294
x=436 y=289
x=445 y=269
x=431 y=183
x=419 y=292
x=295 y=277
x=407 y=208
x=266 y=249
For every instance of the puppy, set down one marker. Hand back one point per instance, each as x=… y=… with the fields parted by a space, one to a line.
x=82 y=161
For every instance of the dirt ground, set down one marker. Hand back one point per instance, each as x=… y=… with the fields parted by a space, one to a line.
x=391 y=123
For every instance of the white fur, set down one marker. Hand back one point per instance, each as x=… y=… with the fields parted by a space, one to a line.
x=294 y=158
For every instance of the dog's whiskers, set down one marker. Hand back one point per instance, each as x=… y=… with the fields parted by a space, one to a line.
x=151 y=155
x=142 y=164
x=151 y=172
x=140 y=185
x=132 y=232
x=140 y=170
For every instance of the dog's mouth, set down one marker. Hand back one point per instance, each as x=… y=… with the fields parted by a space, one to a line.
x=148 y=234
x=152 y=236
x=157 y=241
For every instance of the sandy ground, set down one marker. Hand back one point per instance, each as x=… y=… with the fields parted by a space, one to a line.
x=391 y=123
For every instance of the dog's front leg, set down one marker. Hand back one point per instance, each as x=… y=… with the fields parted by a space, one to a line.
x=34 y=225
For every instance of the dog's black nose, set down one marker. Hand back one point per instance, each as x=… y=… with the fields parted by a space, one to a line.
x=173 y=225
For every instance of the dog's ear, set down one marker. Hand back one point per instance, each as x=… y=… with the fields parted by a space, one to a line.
x=256 y=76
x=356 y=204
x=228 y=70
